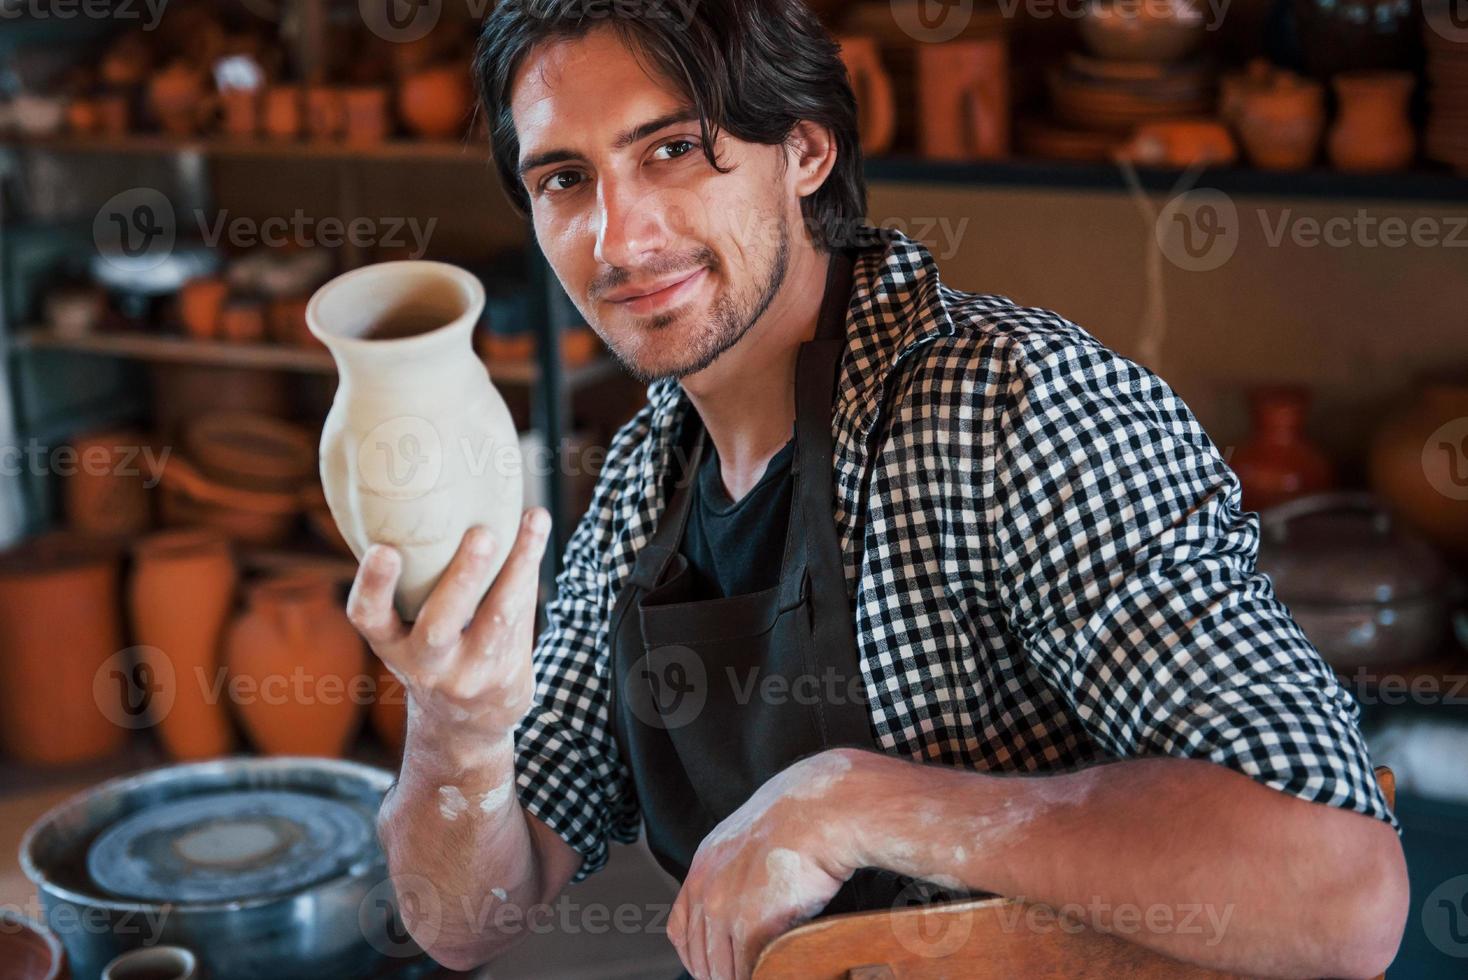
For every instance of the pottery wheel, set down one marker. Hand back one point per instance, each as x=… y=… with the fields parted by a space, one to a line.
x=223 y=847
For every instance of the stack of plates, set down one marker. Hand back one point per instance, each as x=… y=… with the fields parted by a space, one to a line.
x=1447 y=98
x=1117 y=96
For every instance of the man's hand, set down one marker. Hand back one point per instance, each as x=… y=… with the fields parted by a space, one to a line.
x=465 y=663
x=772 y=864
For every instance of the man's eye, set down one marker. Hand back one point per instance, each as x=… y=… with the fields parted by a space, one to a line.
x=561 y=180
x=678 y=148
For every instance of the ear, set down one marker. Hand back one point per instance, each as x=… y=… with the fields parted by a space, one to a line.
x=812 y=155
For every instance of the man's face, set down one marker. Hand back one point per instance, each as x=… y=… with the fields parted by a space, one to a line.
x=668 y=260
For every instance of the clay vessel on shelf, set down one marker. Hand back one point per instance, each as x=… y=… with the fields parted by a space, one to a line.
x=297 y=667
x=107 y=490
x=875 y=102
x=180 y=595
x=60 y=627
x=1419 y=462
x=1372 y=132
x=964 y=88
x=434 y=102
x=418 y=445
x=1277 y=462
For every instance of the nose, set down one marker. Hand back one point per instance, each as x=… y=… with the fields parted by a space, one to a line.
x=633 y=225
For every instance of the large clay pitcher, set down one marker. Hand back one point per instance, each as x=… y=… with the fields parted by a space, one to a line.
x=297 y=668
x=1419 y=463
x=418 y=445
x=60 y=623
x=181 y=593
x=1278 y=463
x=965 y=99
x=875 y=102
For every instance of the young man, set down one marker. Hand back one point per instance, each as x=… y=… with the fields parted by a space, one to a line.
x=887 y=583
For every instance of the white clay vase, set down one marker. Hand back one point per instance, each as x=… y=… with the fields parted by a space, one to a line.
x=418 y=445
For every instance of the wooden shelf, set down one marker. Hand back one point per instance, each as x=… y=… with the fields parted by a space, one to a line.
x=264 y=356
x=147 y=144
x=1021 y=172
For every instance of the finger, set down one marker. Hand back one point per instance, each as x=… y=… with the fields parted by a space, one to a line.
x=458 y=591
x=370 y=603
x=511 y=598
x=719 y=948
x=698 y=927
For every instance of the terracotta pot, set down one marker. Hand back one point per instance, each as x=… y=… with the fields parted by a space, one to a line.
x=83 y=117
x=251 y=451
x=126 y=63
x=180 y=392
x=326 y=112
x=283 y=116
x=286 y=322
x=241 y=110
x=434 y=102
x=1277 y=463
x=181 y=592
x=1372 y=132
x=107 y=494
x=1164 y=30
x=389 y=711
x=1280 y=122
x=113 y=114
x=200 y=302
x=242 y=321
x=368 y=120
x=1419 y=463
x=29 y=950
x=178 y=99
x=60 y=623
x=1181 y=143
x=415 y=418
x=875 y=102
x=304 y=663
x=964 y=88
x=248 y=516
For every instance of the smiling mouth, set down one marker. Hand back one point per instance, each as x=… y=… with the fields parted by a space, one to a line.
x=664 y=298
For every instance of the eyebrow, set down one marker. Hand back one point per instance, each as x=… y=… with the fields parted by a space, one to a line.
x=626 y=138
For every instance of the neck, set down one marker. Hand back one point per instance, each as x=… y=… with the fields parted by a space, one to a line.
x=746 y=398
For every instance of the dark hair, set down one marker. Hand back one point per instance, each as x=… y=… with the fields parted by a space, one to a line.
x=752 y=68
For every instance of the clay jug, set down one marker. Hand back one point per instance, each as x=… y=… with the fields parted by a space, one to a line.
x=964 y=88
x=297 y=667
x=418 y=445
x=1372 y=132
x=1280 y=121
x=180 y=594
x=107 y=491
x=60 y=623
x=1419 y=463
x=1277 y=463
x=389 y=713
x=875 y=103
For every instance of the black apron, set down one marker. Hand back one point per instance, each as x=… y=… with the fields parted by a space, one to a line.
x=694 y=719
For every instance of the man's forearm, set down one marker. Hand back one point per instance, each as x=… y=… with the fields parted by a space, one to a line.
x=1279 y=886
x=453 y=827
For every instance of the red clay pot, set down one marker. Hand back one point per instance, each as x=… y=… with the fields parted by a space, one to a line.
x=1277 y=463
x=106 y=493
x=297 y=668
x=434 y=102
x=1419 y=463
x=182 y=588
x=60 y=621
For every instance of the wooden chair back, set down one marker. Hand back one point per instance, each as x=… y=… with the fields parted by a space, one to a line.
x=979 y=939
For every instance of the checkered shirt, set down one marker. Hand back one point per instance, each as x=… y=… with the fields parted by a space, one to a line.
x=1049 y=560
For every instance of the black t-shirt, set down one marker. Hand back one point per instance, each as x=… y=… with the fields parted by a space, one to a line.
x=734 y=547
